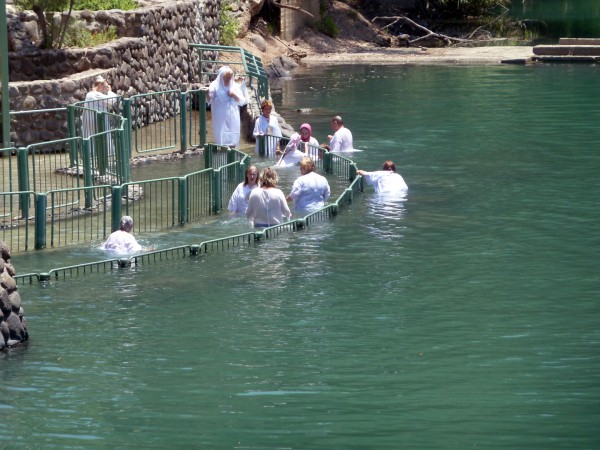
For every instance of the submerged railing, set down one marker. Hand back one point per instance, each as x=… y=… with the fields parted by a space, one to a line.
x=195 y=250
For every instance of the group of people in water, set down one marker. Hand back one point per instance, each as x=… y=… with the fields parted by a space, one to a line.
x=259 y=197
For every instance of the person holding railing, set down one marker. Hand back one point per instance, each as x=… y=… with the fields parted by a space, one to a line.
x=267 y=205
x=238 y=203
x=225 y=97
x=310 y=191
x=308 y=142
x=122 y=241
x=386 y=180
x=341 y=141
x=267 y=125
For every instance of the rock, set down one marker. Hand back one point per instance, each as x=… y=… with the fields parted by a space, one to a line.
x=281 y=66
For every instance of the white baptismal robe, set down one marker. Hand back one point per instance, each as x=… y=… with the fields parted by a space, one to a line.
x=122 y=242
x=238 y=203
x=386 y=181
x=310 y=191
x=341 y=141
x=267 y=126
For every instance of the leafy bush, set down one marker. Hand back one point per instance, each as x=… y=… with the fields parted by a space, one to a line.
x=228 y=27
x=102 y=5
x=79 y=36
x=328 y=26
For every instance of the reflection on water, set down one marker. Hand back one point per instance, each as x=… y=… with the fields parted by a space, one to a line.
x=400 y=323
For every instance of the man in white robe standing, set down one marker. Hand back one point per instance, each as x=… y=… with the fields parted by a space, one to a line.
x=225 y=97
x=341 y=141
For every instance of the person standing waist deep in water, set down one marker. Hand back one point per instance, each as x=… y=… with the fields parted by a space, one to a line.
x=267 y=205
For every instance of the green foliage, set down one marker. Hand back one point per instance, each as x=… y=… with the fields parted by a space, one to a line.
x=103 y=5
x=228 y=27
x=328 y=26
x=467 y=8
x=79 y=36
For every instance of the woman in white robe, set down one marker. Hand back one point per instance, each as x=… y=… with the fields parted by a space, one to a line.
x=225 y=98
x=267 y=125
x=310 y=191
x=238 y=203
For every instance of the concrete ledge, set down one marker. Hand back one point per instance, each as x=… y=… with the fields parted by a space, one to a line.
x=567 y=50
x=579 y=41
x=567 y=59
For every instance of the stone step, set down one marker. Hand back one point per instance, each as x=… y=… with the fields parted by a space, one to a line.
x=566 y=59
x=579 y=41
x=567 y=50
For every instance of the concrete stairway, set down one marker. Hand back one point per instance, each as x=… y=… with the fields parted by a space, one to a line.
x=569 y=50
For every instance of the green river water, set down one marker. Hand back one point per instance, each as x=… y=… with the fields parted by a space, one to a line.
x=466 y=316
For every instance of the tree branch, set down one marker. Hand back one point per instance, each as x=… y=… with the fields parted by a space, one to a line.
x=297 y=8
x=429 y=34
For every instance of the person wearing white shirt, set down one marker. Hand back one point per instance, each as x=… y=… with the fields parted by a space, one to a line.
x=101 y=98
x=341 y=141
x=267 y=205
x=267 y=125
x=310 y=191
x=122 y=241
x=386 y=180
x=238 y=203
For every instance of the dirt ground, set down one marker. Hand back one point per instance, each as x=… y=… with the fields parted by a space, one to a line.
x=358 y=41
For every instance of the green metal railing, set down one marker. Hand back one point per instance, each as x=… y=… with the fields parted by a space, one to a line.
x=196 y=250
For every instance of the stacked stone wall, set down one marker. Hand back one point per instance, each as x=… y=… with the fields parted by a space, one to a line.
x=153 y=55
x=13 y=325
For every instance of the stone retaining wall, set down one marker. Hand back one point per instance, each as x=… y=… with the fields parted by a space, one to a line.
x=13 y=325
x=152 y=55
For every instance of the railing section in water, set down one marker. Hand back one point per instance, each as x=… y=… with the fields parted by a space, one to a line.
x=214 y=245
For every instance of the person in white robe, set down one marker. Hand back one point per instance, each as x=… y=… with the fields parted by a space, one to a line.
x=267 y=205
x=310 y=191
x=238 y=203
x=386 y=180
x=225 y=97
x=122 y=241
x=291 y=155
x=101 y=98
x=267 y=125
x=309 y=142
x=341 y=141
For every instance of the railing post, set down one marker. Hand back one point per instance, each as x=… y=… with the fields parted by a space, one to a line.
x=88 y=180
x=261 y=145
x=328 y=162
x=23 y=180
x=202 y=103
x=352 y=171
x=183 y=200
x=217 y=194
x=183 y=123
x=207 y=156
x=102 y=148
x=40 y=220
x=116 y=207
x=127 y=115
x=71 y=130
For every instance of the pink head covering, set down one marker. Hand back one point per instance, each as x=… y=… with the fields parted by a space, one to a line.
x=307 y=126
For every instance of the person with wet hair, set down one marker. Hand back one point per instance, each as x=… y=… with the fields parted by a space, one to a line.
x=341 y=141
x=267 y=205
x=122 y=241
x=386 y=180
x=267 y=124
x=310 y=191
x=238 y=203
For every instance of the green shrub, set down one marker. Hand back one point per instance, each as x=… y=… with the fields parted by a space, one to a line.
x=328 y=26
x=103 y=5
x=228 y=27
x=79 y=36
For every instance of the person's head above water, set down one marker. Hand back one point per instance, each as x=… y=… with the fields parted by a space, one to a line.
x=126 y=224
x=389 y=165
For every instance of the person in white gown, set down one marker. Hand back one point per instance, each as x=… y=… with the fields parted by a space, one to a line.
x=122 y=241
x=267 y=124
x=101 y=98
x=225 y=97
x=310 y=191
x=238 y=203
x=292 y=154
x=341 y=141
x=267 y=205
x=386 y=180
